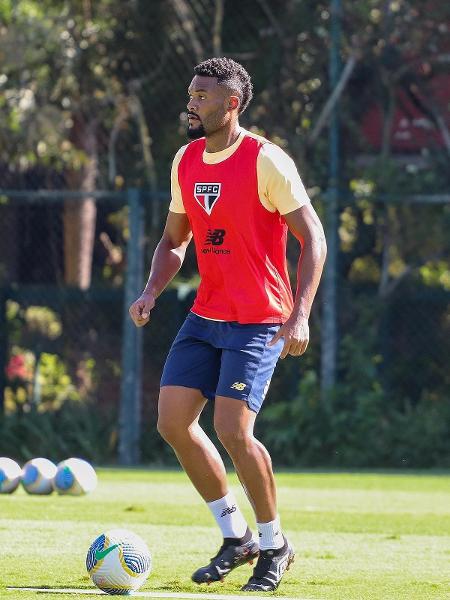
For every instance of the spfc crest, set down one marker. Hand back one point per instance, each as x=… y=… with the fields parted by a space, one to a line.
x=207 y=195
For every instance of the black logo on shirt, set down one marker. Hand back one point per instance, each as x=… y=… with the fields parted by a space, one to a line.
x=207 y=195
x=215 y=237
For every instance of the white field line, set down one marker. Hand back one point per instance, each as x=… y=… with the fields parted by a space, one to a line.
x=181 y=595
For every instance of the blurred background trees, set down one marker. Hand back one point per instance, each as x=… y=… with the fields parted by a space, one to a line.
x=92 y=97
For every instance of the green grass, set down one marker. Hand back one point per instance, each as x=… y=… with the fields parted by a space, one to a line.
x=358 y=536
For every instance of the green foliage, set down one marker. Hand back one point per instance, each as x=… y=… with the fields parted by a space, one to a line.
x=35 y=375
x=73 y=430
x=363 y=427
x=374 y=418
x=36 y=326
x=119 y=70
x=41 y=381
x=56 y=386
x=295 y=429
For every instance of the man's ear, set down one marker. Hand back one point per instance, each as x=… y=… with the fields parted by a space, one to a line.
x=233 y=102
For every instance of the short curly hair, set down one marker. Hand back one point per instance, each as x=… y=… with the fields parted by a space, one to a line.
x=230 y=73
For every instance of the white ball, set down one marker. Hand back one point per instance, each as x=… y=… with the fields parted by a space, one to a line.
x=10 y=474
x=37 y=476
x=75 y=477
x=118 y=562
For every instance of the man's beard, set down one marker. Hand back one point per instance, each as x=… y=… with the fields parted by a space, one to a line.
x=198 y=132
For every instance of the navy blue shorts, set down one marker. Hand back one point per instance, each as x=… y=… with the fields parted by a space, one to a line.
x=223 y=359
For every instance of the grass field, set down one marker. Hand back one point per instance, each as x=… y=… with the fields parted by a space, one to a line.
x=358 y=536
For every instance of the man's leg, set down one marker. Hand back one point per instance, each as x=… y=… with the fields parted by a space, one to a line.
x=179 y=412
x=234 y=423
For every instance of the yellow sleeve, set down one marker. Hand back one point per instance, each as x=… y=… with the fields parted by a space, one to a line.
x=176 y=202
x=279 y=184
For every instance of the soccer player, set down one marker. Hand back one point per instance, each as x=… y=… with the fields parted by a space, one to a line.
x=236 y=194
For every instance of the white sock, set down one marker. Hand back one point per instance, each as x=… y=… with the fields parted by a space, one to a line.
x=270 y=535
x=228 y=516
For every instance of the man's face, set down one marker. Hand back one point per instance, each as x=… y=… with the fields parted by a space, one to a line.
x=208 y=107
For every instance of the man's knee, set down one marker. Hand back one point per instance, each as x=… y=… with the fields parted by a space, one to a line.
x=167 y=429
x=178 y=410
x=168 y=426
x=231 y=437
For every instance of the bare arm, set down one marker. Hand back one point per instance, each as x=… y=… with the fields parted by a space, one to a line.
x=167 y=260
x=305 y=225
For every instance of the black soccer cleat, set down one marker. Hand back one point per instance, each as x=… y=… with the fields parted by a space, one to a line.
x=230 y=556
x=270 y=568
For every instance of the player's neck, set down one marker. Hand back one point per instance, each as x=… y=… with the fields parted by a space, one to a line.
x=222 y=139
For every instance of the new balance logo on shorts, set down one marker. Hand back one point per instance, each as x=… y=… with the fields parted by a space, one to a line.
x=237 y=385
x=229 y=510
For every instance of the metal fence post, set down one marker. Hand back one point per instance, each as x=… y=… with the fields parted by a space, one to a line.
x=329 y=297
x=131 y=385
x=3 y=348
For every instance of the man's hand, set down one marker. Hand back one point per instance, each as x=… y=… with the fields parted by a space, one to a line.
x=140 y=309
x=296 y=336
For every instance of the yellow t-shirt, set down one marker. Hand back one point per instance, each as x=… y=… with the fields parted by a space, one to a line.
x=279 y=184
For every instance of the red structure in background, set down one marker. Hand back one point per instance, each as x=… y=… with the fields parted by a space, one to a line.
x=413 y=127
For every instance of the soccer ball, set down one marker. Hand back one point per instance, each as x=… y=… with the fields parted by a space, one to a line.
x=75 y=477
x=118 y=562
x=37 y=476
x=10 y=474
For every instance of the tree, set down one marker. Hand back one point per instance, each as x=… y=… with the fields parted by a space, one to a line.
x=66 y=82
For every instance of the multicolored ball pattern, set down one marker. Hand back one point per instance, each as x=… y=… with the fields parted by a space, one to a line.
x=75 y=477
x=10 y=474
x=118 y=562
x=37 y=476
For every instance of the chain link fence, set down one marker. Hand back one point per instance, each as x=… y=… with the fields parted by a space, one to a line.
x=63 y=341
x=71 y=343
x=109 y=115
x=399 y=284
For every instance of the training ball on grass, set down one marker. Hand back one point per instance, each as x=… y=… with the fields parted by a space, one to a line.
x=10 y=474
x=118 y=562
x=75 y=477
x=37 y=476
